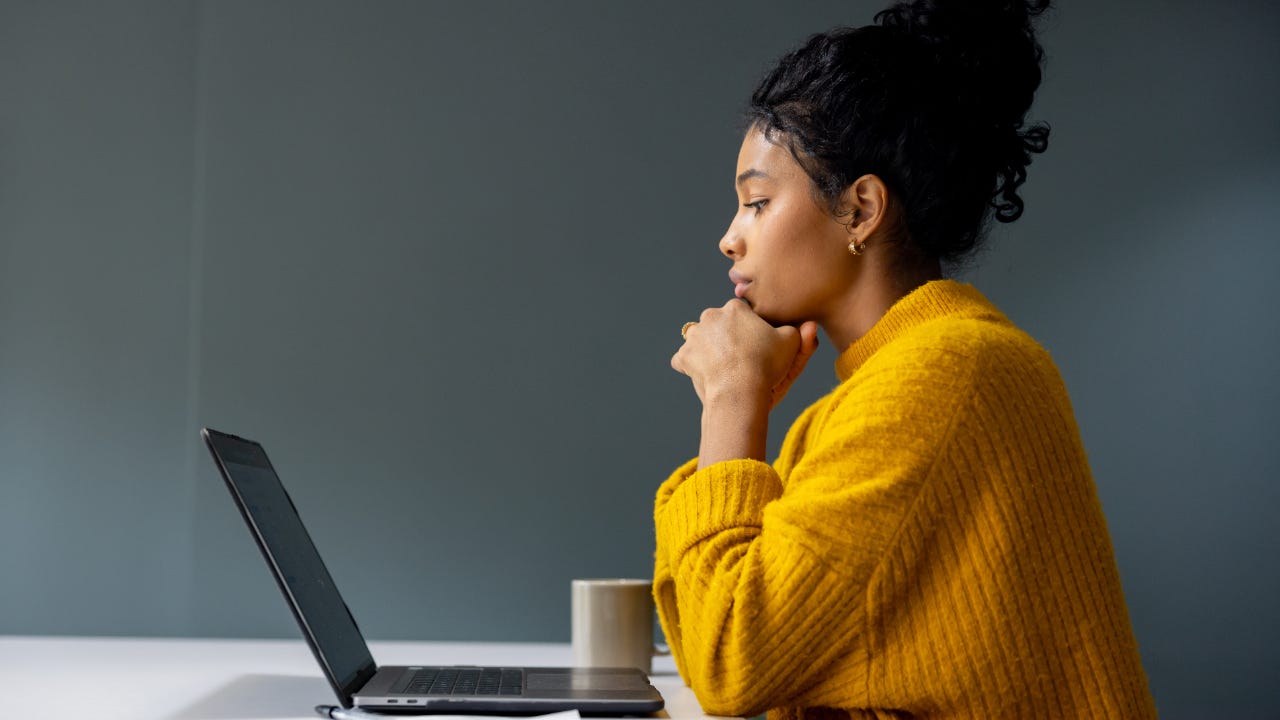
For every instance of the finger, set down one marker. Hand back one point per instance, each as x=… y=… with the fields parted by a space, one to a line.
x=677 y=364
x=808 y=339
x=807 y=347
x=790 y=336
x=808 y=344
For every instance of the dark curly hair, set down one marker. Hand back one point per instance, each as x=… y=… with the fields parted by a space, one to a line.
x=931 y=99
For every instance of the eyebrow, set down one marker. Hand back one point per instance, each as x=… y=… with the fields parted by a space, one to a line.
x=748 y=174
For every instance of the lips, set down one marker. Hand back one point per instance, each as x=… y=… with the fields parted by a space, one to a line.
x=740 y=283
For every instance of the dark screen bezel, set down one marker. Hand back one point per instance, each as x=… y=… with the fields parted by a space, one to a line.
x=369 y=668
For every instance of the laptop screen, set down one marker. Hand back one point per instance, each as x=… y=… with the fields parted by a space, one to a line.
x=287 y=547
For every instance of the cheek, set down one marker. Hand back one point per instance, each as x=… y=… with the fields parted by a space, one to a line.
x=786 y=230
x=805 y=238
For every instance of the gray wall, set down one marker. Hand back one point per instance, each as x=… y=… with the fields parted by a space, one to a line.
x=436 y=255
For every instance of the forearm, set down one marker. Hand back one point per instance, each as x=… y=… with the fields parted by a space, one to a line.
x=735 y=426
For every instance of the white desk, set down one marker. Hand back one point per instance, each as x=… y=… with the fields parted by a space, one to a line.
x=185 y=679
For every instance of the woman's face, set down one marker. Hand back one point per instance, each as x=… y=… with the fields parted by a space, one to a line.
x=790 y=257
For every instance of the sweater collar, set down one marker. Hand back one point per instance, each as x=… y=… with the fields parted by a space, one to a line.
x=935 y=299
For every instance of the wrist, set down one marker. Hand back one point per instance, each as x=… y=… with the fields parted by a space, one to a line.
x=737 y=397
x=734 y=426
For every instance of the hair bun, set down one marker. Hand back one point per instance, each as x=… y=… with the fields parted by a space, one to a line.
x=984 y=51
x=983 y=60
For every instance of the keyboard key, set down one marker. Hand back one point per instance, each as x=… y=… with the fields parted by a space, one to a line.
x=466 y=681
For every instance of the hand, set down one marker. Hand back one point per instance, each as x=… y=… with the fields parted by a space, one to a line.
x=740 y=367
x=733 y=355
x=808 y=344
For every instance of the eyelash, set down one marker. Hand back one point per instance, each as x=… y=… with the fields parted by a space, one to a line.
x=757 y=205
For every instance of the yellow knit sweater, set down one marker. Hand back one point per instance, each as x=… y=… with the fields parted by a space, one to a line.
x=929 y=543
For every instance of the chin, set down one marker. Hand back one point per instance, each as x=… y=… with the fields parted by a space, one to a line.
x=778 y=317
x=772 y=314
x=773 y=318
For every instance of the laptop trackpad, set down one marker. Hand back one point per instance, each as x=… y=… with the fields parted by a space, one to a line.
x=586 y=679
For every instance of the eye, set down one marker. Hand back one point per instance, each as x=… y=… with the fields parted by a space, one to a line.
x=757 y=205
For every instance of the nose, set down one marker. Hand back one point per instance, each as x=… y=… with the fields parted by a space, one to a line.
x=731 y=244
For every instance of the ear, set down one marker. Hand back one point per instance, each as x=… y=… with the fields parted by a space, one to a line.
x=864 y=207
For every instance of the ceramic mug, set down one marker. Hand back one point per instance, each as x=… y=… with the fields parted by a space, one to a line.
x=613 y=624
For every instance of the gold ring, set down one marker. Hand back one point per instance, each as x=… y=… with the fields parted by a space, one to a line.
x=684 y=331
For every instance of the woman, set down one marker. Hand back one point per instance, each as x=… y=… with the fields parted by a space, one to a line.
x=929 y=543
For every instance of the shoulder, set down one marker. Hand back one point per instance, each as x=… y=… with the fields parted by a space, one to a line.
x=938 y=366
x=953 y=346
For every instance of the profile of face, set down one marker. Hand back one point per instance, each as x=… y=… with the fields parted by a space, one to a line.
x=790 y=256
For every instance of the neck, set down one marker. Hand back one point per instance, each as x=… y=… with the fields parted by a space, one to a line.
x=871 y=296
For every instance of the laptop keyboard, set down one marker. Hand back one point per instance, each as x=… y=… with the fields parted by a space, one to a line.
x=465 y=681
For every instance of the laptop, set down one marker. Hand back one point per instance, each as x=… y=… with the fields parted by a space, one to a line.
x=344 y=657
